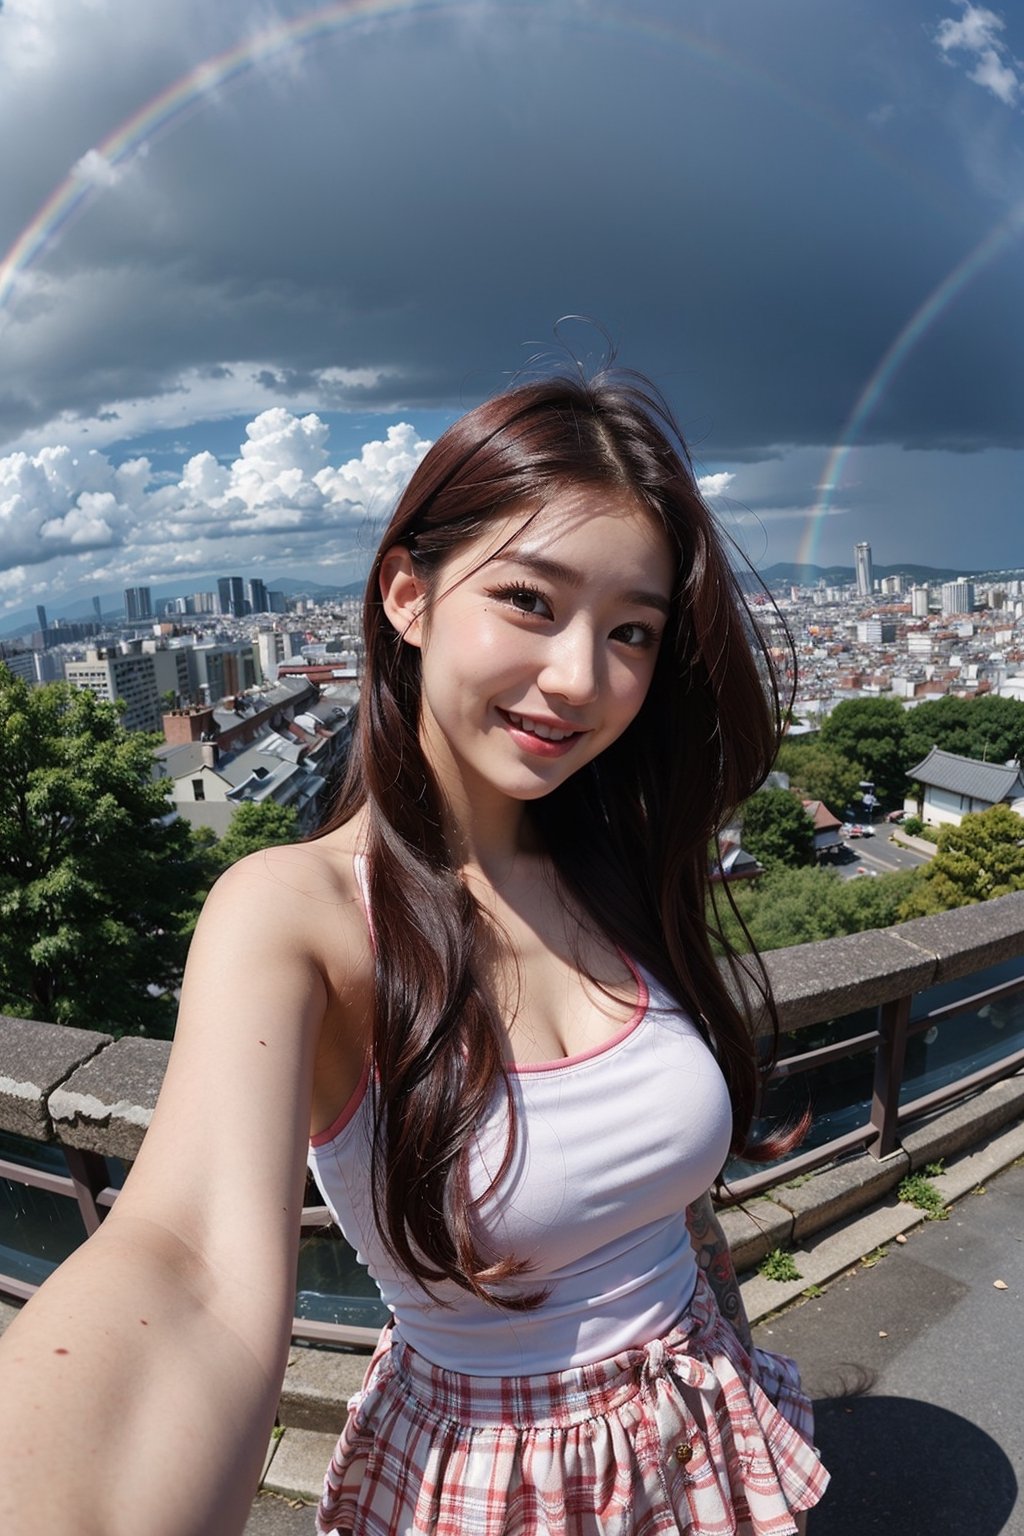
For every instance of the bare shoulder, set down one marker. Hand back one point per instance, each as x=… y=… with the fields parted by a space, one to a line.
x=302 y=898
x=278 y=952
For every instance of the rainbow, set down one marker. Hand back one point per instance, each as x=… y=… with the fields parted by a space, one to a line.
x=169 y=108
x=177 y=101
x=916 y=328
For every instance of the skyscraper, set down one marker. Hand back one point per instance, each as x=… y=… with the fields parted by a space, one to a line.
x=138 y=604
x=231 y=591
x=862 y=557
x=258 y=596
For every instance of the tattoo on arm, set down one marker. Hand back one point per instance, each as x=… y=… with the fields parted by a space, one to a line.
x=715 y=1262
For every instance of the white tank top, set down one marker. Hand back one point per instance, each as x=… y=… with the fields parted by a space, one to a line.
x=611 y=1146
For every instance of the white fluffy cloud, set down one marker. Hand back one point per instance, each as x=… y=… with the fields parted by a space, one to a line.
x=715 y=485
x=59 y=503
x=978 y=33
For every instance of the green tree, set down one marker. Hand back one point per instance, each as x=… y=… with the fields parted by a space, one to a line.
x=98 y=883
x=981 y=858
x=987 y=728
x=872 y=732
x=820 y=773
x=803 y=906
x=777 y=829
x=255 y=826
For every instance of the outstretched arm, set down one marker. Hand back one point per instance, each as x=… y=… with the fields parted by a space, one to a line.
x=139 y=1386
x=715 y=1261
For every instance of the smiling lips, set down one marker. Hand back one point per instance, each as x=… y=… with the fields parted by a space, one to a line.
x=548 y=740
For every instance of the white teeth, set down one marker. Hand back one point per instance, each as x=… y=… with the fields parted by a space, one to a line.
x=545 y=732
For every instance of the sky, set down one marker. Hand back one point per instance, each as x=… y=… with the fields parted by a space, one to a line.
x=255 y=257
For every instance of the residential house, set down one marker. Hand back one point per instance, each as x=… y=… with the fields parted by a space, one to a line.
x=953 y=787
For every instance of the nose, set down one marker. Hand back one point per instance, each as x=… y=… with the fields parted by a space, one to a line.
x=572 y=667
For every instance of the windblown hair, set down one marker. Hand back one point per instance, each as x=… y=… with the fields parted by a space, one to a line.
x=628 y=835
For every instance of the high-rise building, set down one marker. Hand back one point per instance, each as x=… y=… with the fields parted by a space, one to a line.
x=97 y=608
x=132 y=679
x=919 y=602
x=257 y=593
x=225 y=670
x=275 y=646
x=862 y=558
x=875 y=632
x=231 y=591
x=138 y=604
x=41 y=617
x=958 y=596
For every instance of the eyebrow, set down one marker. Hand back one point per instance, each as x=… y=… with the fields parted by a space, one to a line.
x=567 y=575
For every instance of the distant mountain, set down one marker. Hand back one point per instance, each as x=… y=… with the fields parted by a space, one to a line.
x=788 y=573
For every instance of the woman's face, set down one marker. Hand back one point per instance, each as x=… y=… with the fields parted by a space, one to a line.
x=538 y=639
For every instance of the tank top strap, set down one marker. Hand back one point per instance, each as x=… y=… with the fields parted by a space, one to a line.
x=361 y=870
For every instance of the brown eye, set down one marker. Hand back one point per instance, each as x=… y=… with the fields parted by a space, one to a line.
x=639 y=636
x=526 y=600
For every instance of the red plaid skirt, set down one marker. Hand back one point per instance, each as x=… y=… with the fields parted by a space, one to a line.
x=687 y=1433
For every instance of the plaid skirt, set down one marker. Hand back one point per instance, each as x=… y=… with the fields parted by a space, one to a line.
x=685 y=1434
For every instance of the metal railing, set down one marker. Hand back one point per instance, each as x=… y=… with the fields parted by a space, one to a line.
x=896 y=976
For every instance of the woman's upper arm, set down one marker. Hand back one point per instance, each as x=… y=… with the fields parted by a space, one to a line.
x=222 y=1164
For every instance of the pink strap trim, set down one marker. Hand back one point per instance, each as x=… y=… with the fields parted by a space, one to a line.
x=337 y=1126
x=321 y=1139
x=361 y=869
x=637 y=1017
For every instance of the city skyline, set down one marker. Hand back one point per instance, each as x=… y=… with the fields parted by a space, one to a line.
x=253 y=268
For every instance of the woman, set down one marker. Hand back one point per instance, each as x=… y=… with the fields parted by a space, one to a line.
x=488 y=993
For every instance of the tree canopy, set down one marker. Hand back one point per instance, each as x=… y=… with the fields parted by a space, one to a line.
x=777 y=829
x=98 y=882
x=820 y=773
x=981 y=858
x=987 y=728
x=252 y=827
x=803 y=906
x=872 y=732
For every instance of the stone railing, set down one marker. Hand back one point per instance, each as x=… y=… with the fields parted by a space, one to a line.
x=92 y=1096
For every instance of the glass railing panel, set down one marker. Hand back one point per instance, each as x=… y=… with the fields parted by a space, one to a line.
x=969 y=1042
x=37 y=1230
x=333 y=1287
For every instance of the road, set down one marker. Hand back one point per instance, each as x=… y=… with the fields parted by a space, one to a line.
x=879 y=854
x=916 y=1364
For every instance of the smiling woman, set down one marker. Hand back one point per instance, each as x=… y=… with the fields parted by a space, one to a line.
x=486 y=994
x=558 y=670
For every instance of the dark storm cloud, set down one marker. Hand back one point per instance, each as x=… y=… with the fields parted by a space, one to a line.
x=753 y=200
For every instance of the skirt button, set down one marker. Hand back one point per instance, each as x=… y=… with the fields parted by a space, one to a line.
x=683 y=1453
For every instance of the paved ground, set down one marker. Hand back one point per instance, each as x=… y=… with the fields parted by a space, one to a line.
x=917 y=1366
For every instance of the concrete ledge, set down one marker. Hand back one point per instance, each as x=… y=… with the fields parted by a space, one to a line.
x=34 y=1058
x=299 y=1463
x=814 y=982
x=106 y=1105
x=834 y=1251
x=830 y=1196
x=967 y=1123
x=969 y=938
x=754 y=1229
x=317 y=1385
